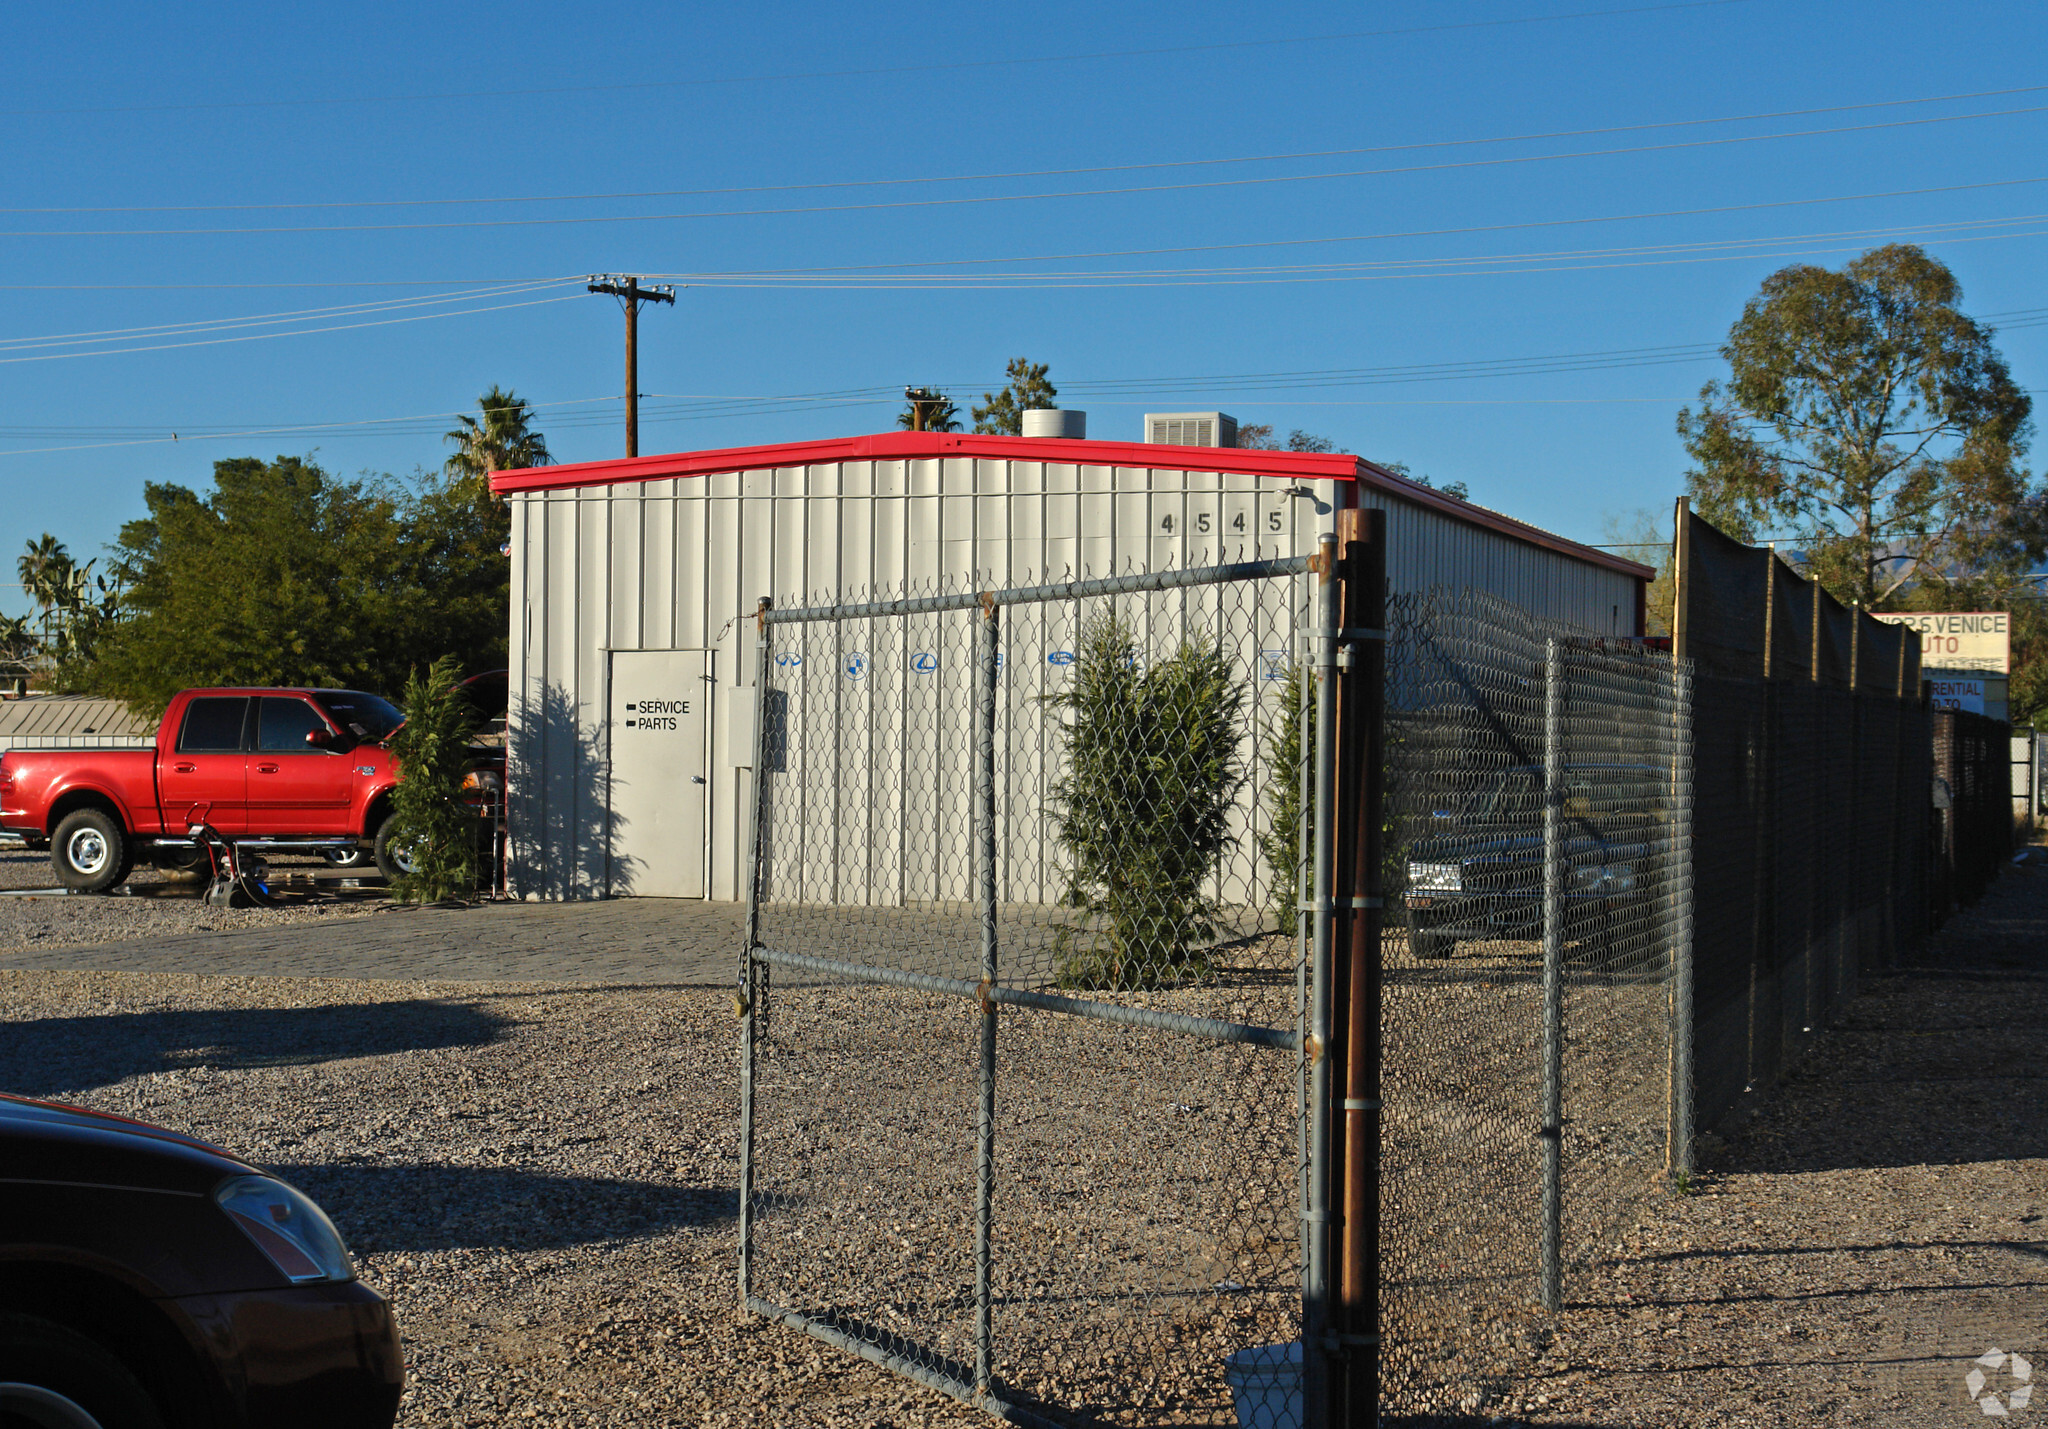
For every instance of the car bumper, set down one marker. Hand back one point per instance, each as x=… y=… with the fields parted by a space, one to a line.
x=309 y=1357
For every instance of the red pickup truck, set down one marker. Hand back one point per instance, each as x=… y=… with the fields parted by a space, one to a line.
x=298 y=768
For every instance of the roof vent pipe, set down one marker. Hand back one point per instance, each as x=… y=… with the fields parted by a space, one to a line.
x=1056 y=422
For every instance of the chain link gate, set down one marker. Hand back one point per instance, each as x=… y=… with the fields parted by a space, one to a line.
x=1023 y=991
x=1537 y=1010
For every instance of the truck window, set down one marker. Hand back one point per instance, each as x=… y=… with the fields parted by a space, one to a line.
x=284 y=723
x=213 y=725
x=367 y=717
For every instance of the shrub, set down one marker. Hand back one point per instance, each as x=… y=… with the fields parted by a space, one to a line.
x=1288 y=815
x=1142 y=811
x=437 y=829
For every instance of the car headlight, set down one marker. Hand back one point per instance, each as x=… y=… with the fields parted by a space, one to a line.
x=487 y=781
x=287 y=1227
x=1604 y=879
x=1436 y=877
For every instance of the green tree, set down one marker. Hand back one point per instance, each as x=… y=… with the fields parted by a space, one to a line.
x=1456 y=490
x=928 y=410
x=17 y=639
x=503 y=440
x=285 y=575
x=1877 y=425
x=1258 y=437
x=1002 y=413
x=1641 y=537
x=1289 y=817
x=435 y=828
x=1151 y=772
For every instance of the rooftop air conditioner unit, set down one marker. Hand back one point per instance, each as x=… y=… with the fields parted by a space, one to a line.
x=1191 y=429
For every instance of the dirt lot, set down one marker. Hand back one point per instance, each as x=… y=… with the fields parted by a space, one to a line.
x=543 y=1180
x=153 y=904
x=1878 y=1224
x=543 y=1177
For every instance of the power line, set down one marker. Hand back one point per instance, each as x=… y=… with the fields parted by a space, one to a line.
x=858 y=268
x=706 y=82
x=302 y=332
x=1037 y=173
x=801 y=280
x=1262 y=181
x=202 y=325
x=674 y=407
x=1660 y=255
x=1378 y=237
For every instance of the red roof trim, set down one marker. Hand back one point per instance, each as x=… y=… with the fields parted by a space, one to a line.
x=903 y=446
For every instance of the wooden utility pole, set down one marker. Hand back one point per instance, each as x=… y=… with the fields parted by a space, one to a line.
x=626 y=288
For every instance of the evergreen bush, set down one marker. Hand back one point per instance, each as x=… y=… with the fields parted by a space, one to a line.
x=1142 y=811
x=1288 y=816
x=436 y=827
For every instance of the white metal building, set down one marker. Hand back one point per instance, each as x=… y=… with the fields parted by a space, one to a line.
x=634 y=583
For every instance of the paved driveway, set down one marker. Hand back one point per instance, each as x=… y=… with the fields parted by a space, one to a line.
x=626 y=940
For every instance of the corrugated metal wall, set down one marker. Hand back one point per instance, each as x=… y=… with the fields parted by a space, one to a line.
x=70 y=722
x=680 y=564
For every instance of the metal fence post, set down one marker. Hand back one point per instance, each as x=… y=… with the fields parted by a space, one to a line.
x=985 y=867
x=1317 y=1401
x=1679 y=1154
x=1552 y=1269
x=1356 y=964
x=748 y=973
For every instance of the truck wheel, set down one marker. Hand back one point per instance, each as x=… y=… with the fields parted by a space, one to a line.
x=394 y=860
x=345 y=857
x=90 y=851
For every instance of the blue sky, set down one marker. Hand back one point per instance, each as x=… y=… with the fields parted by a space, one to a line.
x=216 y=118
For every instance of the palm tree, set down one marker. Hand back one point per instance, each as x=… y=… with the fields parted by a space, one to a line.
x=43 y=566
x=503 y=441
x=45 y=569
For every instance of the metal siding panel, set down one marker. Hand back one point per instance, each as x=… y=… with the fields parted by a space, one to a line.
x=697 y=552
x=593 y=639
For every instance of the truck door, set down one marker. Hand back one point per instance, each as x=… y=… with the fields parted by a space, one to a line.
x=204 y=778
x=296 y=787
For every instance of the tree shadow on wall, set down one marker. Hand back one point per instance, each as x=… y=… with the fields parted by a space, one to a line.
x=565 y=840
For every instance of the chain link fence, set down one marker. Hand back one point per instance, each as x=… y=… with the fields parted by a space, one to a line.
x=1028 y=976
x=1819 y=854
x=1024 y=989
x=1538 y=804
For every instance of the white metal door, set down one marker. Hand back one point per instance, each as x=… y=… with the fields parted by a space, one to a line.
x=658 y=702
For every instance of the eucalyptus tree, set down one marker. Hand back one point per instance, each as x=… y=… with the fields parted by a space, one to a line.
x=1874 y=425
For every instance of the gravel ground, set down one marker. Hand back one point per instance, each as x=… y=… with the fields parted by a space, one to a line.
x=543 y=1180
x=1876 y=1225
x=155 y=905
